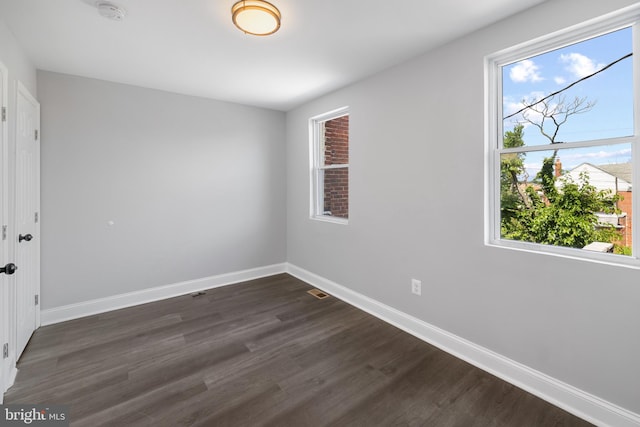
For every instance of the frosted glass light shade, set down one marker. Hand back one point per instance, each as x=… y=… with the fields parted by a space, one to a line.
x=256 y=17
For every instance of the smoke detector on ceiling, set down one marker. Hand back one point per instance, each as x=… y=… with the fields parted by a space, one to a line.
x=110 y=11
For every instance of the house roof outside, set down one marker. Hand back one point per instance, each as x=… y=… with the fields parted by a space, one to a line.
x=619 y=170
x=614 y=177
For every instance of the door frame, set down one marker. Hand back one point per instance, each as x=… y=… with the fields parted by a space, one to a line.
x=21 y=90
x=5 y=281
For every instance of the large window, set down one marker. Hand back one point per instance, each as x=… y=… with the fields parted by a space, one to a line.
x=561 y=142
x=330 y=165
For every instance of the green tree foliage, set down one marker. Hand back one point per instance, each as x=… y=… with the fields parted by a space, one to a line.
x=511 y=167
x=543 y=212
x=547 y=178
x=569 y=220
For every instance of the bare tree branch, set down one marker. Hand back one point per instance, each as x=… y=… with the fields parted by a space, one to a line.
x=558 y=113
x=514 y=185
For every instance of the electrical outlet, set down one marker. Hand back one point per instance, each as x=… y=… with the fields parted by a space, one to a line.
x=416 y=286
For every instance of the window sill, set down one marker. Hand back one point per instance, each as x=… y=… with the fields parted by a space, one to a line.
x=571 y=253
x=333 y=219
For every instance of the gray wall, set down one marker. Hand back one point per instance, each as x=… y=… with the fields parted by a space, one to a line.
x=195 y=188
x=416 y=210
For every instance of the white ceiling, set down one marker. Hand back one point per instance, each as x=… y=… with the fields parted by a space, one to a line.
x=192 y=47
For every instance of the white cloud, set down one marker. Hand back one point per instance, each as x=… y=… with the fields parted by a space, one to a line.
x=525 y=71
x=509 y=106
x=533 y=167
x=559 y=80
x=580 y=65
x=597 y=155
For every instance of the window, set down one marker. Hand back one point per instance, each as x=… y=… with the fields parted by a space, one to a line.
x=561 y=141
x=329 y=135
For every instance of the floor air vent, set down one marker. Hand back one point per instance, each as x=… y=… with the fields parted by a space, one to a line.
x=318 y=293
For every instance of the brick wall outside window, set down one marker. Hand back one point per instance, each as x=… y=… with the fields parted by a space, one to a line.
x=336 y=181
x=626 y=205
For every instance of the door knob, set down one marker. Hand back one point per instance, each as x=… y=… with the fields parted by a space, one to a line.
x=26 y=237
x=9 y=268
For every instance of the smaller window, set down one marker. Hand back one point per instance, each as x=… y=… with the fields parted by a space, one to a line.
x=329 y=137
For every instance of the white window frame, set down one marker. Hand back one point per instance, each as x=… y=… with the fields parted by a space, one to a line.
x=625 y=18
x=316 y=162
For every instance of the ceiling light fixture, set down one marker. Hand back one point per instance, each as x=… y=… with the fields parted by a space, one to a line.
x=256 y=17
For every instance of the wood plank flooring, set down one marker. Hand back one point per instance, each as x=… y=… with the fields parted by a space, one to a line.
x=261 y=353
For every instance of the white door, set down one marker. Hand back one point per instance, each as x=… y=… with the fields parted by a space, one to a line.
x=27 y=206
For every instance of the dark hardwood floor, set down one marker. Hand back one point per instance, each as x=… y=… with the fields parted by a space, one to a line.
x=262 y=352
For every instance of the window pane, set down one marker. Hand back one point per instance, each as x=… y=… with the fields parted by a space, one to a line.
x=598 y=107
x=336 y=141
x=336 y=192
x=569 y=197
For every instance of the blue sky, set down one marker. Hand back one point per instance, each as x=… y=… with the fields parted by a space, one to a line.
x=611 y=90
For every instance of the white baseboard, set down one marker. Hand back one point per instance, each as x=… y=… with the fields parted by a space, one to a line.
x=101 y=305
x=556 y=392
